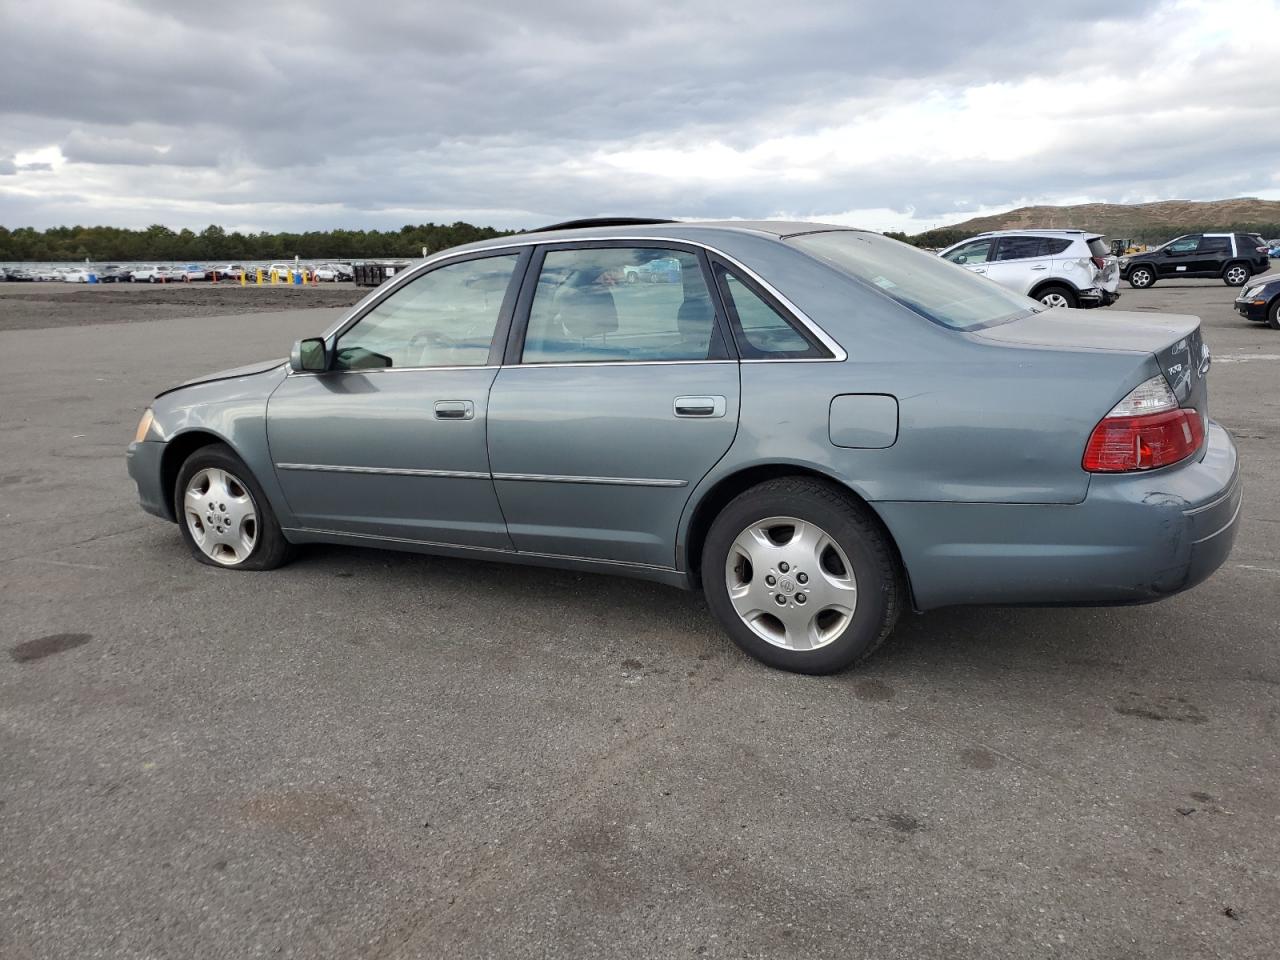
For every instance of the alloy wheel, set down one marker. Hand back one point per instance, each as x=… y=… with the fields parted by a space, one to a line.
x=1237 y=276
x=221 y=516
x=1054 y=300
x=791 y=583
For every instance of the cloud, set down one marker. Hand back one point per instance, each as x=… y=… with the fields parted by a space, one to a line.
x=7 y=167
x=515 y=114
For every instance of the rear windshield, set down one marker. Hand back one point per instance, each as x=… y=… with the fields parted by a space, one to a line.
x=1098 y=247
x=939 y=291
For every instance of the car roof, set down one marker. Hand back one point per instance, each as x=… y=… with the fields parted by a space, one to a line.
x=634 y=228
x=1037 y=233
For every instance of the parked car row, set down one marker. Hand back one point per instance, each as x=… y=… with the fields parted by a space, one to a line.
x=191 y=272
x=1072 y=268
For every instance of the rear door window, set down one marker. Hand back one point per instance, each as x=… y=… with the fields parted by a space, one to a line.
x=619 y=304
x=1214 y=245
x=1057 y=245
x=1020 y=248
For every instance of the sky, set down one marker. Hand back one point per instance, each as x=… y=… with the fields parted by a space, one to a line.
x=516 y=113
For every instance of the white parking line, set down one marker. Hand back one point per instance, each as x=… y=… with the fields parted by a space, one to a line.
x=1250 y=566
x=1244 y=357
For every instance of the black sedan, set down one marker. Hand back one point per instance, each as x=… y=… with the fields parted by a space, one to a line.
x=1260 y=302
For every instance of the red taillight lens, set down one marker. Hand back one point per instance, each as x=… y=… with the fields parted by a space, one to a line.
x=1153 y=440
x=1099 y=262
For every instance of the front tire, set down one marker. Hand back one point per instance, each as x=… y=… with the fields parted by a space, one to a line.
x=1273 y=314
x=801 y=576
x=223 y=514
x=1141 y=277
x=1236 y=275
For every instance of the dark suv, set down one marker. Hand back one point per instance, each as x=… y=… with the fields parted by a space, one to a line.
x=1234 y=257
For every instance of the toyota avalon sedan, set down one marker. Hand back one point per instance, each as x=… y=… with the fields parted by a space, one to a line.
x=818 y=427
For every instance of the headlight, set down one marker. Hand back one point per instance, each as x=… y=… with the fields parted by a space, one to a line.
x=144 y=426
x=1248 y=294
x=1124 y=262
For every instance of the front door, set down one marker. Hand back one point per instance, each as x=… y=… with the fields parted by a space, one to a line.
x=390 y=441
x=620 y=394
x=1178 y=258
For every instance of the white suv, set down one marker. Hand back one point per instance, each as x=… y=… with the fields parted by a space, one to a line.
x=1060 y=268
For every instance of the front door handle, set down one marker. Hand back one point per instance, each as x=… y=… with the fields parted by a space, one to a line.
x=978 y=269
x=455 y=410
x=699 y=406
x=1040 y=266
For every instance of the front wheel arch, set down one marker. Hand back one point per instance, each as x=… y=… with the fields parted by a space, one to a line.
x=723 y=492
x=176 y=452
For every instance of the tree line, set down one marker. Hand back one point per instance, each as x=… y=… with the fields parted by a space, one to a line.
x=158 y=242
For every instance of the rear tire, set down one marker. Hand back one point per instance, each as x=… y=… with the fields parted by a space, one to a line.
x=1142 y=277
x=1236 y=274
x=1057 y=295
x=836 y=587
x=235 y=527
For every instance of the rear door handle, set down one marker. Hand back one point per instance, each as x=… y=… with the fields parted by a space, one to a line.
x=699 y=406
x=978 y=269
x=1040 y=266
x=455 y=410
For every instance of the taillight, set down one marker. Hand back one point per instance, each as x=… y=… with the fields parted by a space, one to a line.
x=1099 y=262
x=1145 y=430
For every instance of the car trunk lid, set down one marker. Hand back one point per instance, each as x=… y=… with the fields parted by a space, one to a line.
x=1174 y=339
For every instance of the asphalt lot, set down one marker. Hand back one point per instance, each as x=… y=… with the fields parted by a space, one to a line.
x=376 y=755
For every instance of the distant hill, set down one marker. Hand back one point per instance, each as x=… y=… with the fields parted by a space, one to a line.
x=1148 y=222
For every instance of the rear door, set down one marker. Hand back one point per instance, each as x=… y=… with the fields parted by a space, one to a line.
x=1212 y=255
x=616 y=398
x=1020 y=263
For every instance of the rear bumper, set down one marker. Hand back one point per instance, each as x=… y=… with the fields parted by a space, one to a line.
x=1133 y=539
x=1098 y=297
x=143 y=460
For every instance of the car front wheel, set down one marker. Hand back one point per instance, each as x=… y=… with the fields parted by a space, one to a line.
x=1141 y=277
x=1235 y=275
x=223 y=514
x=1273 y=314
x=801 y=577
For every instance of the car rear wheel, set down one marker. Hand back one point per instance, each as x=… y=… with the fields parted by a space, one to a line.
x=1236 y=275
x=1141 y=277
x=801 y=577
x=223 y=514
x=1057 y=296
x=1273 y=314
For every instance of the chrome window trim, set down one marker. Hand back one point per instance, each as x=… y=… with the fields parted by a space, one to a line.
x=405 y=276
x=384 y=471
x=330 y=373
x=608 y=363
x=498 y=550
x=608 y=481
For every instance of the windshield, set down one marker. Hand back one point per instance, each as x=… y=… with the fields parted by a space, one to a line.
x=937 y=290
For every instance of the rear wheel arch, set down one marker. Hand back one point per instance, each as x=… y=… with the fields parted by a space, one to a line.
x=176 y=452
x=727 y=488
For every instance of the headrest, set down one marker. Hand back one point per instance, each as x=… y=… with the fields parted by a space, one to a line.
x=586 y=311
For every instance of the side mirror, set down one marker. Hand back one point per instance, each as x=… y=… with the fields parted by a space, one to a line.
x=309 y=356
